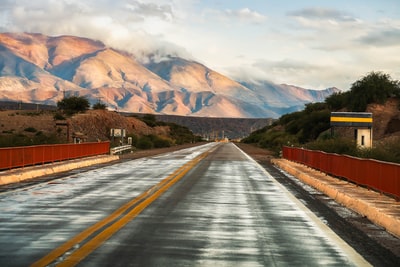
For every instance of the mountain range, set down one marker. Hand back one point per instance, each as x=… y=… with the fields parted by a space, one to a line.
x=43 y=69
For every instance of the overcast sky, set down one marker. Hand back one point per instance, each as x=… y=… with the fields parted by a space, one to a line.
x=309 y=43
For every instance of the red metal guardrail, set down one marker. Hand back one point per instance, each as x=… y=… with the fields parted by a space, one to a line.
x=378 y=175
x=14 y=157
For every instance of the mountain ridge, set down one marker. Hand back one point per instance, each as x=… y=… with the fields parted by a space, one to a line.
x=44 y=69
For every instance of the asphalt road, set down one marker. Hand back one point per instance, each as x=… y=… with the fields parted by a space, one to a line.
x=203 y=206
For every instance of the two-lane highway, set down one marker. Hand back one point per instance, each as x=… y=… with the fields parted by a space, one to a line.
x=204 y=206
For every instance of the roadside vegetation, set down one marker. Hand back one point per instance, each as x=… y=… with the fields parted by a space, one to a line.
x=33 y=133
x=310 y=128
x=21 y=139
x=178 y=135
x=28 y=135
x=73 y=104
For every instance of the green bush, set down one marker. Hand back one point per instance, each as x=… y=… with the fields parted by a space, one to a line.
x=338 y=101
x=181 y=134
x=256 y=136
x=100 y=106
x=32 y=114
x=144 y=142
x=149 y=119
x=161 y=142
x=387 y=151
x=135 y=139
x=30 y=129
x=23 y=140
x=58 y=116
x=334 y=145
x=274 y=140
x=73 y=104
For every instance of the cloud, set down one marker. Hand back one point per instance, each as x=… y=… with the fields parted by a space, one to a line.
x=286 y=65
x=323 y=14
x=245 y=14
x=324 y=19
x=145 y=10
x=35 y=14
x=139 y=27
x=382 y=38
x=300 y=73
x=317 y=42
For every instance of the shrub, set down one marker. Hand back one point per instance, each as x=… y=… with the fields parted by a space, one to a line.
x=73 y=104
x=23 y=140
x=387 y=151
x=274 y=140
x=334 y=145
x=30 y=129
x=161 y=142
x=181 y=134
x=150 y=120
x=58 y=116
x=134 y=139
x=100 y=106
x=144 y=142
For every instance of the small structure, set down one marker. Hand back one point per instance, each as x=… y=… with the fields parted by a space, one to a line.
x=360 y=121
x=63 y=123
x=118 y=133
x=79 y=137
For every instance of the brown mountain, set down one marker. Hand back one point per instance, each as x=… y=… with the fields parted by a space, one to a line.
x=43 y=69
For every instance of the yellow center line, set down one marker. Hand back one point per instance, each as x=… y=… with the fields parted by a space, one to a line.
x=148 y=197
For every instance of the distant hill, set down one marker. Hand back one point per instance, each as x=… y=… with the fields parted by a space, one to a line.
x=43 y=69
x=217 y=128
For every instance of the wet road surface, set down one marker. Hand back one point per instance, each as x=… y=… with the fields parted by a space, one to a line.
x=220 y=210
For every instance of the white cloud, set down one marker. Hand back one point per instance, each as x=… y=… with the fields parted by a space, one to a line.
x=164 y=12
x=245 y=14
x=232 y=16
x=324 y=19
x=383 y=37
x=139 y=27
x=323 y=14
x=289 y=71
x=309 y=46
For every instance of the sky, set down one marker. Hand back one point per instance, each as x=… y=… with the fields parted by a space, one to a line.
x=313 y=44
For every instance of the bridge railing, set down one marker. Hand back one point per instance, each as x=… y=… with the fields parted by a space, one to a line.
x=120 y=149
x=378 y=175
x=15 y=157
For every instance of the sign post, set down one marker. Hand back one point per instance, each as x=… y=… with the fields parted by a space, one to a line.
x=362 y=121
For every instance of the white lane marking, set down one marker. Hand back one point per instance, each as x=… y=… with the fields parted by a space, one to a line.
x=351 y=254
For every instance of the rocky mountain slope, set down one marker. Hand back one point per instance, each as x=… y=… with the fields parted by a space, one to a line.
x=43 y=69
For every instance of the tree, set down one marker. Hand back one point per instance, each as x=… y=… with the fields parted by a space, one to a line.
x=73 y=104
x=376 y=87
x=150 y=120
x=338 y=101
x=99 y=105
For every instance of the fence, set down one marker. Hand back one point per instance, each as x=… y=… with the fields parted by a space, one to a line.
x=14 y=157
x=381 y=176
x=120 y=149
